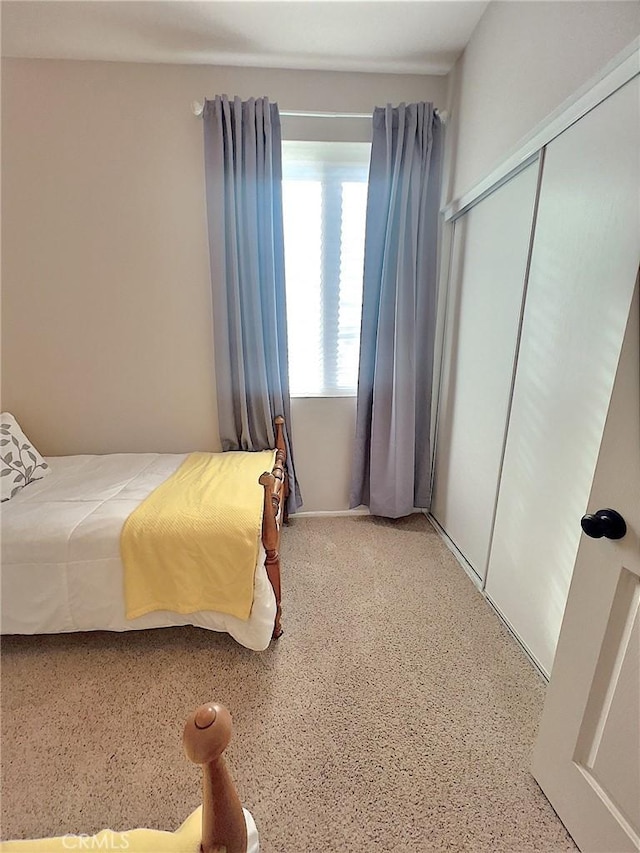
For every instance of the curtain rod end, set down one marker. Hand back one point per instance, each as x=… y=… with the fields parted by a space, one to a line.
x=197 y=107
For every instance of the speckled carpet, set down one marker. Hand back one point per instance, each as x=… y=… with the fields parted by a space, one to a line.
x=395 y=714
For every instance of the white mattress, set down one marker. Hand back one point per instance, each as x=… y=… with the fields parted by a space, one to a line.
x=61 y=568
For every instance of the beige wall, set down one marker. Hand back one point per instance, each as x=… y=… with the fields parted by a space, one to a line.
x=523 y=60
x=325 y=435
x=106 y=320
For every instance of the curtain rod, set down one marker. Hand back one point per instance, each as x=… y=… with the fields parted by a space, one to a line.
x=198 y=108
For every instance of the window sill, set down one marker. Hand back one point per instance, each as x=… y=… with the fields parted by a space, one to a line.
x=330 y=396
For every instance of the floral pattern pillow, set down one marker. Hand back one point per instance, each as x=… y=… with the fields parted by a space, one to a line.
x=21 y=463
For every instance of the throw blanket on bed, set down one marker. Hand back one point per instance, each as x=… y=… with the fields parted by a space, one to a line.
x=193 y=544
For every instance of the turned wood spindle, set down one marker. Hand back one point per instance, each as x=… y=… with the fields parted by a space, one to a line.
x=281 y=457
x=207 y=733
x=271 y=541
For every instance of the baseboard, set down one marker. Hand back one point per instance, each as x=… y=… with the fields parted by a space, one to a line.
x=477 y=582
x=329 y=513
x=544 y=675
x=466 y=565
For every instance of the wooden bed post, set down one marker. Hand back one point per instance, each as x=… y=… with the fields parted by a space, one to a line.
x=282 y=447
x=207 y=733
x=276 y=489
x=271 y=540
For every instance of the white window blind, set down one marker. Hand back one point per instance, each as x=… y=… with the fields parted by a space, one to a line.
x=324 y=206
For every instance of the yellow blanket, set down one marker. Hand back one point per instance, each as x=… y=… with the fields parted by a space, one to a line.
x=193 y=543
x=186 y=839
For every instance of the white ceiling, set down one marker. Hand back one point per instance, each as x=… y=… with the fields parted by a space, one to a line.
x=397 y=36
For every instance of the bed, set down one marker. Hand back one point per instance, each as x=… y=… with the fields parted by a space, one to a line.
x=62 y=568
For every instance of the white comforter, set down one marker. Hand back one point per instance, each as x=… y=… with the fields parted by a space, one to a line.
x=61 y=568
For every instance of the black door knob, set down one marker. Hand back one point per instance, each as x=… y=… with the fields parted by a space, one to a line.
x=605 y=522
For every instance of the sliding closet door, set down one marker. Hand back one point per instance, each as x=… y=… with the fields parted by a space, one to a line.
x=490 y=251
x=583 y=269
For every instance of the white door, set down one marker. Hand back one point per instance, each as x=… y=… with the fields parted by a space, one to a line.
x=583 y=268
x=489 y=266
x=587 y=757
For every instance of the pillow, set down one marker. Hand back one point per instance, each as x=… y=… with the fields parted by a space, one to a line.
x=21 y=462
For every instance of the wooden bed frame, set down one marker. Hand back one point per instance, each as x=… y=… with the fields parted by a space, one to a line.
x=276 y=491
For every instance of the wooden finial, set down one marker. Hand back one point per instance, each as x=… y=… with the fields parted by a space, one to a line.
x=279 y=424
x=207 y=733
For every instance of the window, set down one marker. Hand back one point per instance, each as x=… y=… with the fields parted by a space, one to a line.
x=324 y=205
